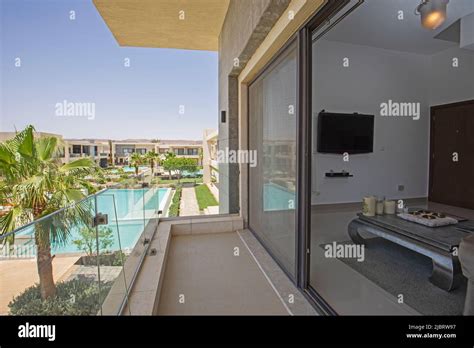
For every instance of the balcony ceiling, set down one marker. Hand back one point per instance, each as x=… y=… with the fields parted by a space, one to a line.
x=156 y=23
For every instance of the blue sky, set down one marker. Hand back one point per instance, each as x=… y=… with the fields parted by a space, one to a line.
x=80 y=61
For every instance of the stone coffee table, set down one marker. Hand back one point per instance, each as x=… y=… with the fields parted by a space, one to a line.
x=438 y=243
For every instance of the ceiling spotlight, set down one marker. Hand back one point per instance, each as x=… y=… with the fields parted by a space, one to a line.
x=432 y=12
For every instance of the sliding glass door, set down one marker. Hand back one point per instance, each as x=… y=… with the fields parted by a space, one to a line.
x=378 y=101
x=272 y=134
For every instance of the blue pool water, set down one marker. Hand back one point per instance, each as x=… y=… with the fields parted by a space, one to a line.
x=127 y=225
x=186 y=174
x=278 y=198
x=128 y=169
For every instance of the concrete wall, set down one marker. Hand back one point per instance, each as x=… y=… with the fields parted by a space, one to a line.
x=246 y=25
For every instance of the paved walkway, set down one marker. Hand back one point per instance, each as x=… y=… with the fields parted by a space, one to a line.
x=188 y=205
x=18 y=274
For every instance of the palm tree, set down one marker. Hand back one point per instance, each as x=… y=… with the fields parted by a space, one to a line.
x=136 y=160
x=169 y=162
x=152 y=157
x=111 y=157
x=36 y=184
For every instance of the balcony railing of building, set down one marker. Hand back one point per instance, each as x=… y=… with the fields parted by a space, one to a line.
x=97 y=246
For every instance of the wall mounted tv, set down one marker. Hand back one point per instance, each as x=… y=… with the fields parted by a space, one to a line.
x=341 y=133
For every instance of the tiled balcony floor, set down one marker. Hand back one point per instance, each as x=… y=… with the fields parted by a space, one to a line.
x=203 y=271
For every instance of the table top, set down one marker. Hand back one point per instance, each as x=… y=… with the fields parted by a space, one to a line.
x=443 y=236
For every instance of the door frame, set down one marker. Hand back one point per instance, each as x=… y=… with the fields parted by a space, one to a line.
x=304 y=187
x=303 y=38
x=433 y=110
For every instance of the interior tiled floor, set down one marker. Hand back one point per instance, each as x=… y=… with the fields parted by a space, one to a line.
x=349 y=292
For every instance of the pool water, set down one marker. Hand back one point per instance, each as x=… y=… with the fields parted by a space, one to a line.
x=128 y=169
x=127 y=224
x=195 y=174
x=278 y=198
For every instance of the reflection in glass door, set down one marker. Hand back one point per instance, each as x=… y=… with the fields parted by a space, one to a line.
x=272 y=134
x=376 y=241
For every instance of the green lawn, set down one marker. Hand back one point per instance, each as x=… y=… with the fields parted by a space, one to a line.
x=204 y=197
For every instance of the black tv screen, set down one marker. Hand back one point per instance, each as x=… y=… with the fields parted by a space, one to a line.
x=341 y=133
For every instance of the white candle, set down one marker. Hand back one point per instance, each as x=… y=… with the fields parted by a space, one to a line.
x=369 y=206
x=389 y=207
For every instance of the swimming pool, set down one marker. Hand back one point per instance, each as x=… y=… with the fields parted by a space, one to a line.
x=134 y=209
x=187 y=174
x=278 y=198
x=128 y=169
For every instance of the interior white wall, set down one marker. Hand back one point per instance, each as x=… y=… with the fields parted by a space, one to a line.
x=449 y=84
x=401 y=144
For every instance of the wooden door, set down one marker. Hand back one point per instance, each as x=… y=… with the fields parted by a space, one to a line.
x=452 y=154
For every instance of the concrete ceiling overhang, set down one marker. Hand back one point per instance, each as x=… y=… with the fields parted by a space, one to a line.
x=160 y=23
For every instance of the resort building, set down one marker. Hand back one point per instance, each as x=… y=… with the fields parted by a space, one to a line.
x=97 y=150
x=122 y=150
x=101 y=150
x=181 y=148
x=209 y=158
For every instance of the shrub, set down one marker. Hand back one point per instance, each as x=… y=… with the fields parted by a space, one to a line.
x=174 y=208
x=119 y=258
x=116 y=258
x=88 y=242
x=75 y=297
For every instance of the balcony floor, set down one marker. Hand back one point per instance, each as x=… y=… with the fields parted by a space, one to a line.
x=204 y=269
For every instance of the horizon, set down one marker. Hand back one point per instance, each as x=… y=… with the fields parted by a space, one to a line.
x=132 y=92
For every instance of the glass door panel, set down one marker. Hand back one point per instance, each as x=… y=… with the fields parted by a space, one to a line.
x=272 y=134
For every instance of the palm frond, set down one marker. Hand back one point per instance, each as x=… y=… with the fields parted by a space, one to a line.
x=78 y=215
x=46 y=147
x=12 y=220
x=7 y=154
x=38 y=186
x=80 y=164
x=23 y=142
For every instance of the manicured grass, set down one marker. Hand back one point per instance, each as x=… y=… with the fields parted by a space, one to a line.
x=204 y=197
x=174 y=207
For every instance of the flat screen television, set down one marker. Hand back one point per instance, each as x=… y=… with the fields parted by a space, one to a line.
x=341 y=133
